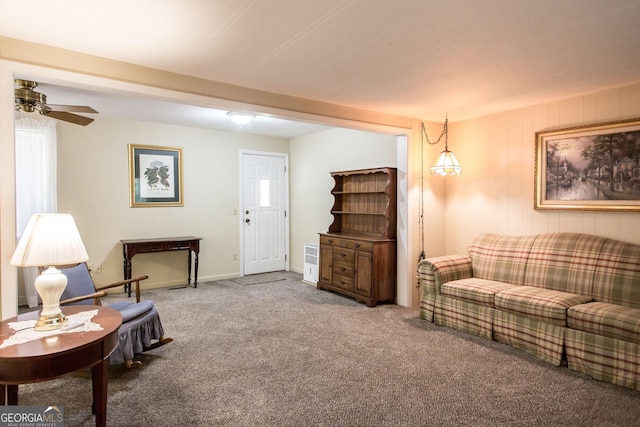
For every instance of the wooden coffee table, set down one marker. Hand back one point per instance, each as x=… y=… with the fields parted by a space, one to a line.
x=52 y=357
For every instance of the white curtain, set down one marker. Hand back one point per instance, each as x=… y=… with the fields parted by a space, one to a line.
x=36 y=183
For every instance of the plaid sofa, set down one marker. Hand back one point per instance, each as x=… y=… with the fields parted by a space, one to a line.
x=567 y=298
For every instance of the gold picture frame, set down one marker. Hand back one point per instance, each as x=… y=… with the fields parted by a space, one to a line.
x=589 y=168
x=155 y=176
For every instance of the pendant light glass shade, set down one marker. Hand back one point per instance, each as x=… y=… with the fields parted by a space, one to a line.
x=446 y=164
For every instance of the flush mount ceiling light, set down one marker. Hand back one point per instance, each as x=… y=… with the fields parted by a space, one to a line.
x=240 y=119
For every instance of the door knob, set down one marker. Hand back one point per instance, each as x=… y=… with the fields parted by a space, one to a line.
x=247 y=220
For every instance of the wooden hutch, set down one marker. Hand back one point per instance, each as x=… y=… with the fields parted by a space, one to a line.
x=358 y=252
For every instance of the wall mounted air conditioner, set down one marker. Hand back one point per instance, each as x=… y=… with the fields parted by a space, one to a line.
x=311 y=261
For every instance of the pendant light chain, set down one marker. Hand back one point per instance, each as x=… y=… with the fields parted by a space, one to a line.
x=421 y=199
x=425 y=137
x=445 y=133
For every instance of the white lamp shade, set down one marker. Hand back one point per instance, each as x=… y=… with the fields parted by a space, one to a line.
x=446 y=164
x=50 y=240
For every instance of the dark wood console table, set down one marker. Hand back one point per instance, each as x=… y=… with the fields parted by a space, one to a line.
x=143 y=246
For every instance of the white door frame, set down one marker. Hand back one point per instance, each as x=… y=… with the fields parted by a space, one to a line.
x=285 y=156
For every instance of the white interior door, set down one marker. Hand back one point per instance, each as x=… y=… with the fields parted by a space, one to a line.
x=264 y=212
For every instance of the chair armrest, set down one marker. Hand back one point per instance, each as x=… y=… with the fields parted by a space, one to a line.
x=433 y=272
x=96 y=297
x=135 y=280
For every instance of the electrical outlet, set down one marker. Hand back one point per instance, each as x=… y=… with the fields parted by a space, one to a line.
x=234 y=256
x=97 y=268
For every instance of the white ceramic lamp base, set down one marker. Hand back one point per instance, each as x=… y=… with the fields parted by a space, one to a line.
x=50 y=285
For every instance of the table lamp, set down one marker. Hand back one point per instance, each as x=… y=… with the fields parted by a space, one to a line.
x=50 y=240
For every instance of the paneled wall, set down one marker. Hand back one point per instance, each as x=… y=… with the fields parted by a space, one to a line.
x=495 y=192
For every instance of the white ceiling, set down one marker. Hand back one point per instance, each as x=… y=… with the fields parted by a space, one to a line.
x=413 y=58
x=125 y=106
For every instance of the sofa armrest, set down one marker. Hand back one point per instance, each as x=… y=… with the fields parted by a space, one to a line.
x=433 y=272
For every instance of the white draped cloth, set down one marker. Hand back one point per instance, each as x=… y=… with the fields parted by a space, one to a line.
x=79 y=322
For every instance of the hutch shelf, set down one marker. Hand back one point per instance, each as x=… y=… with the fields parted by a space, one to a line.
x=358 y=252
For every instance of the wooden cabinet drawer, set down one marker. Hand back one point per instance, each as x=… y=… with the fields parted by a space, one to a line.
x=338 y=242
x=332 y=241
x=342 y=282
x=343 y=255
x=163 y=247
x=343 y=269
x=180 y=247
x=153 y=247
x=359 y=245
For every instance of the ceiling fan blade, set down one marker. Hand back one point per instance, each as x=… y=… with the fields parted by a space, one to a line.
x=69 y=117
x=72 y=108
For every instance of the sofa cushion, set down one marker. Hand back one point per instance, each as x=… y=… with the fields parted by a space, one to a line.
x=617 y=274
x=479 y=291
x=535 y=336
x=609 y=320
x=499 y=257
x=543 y=304
x=564 y=262
x=465 y=316
x=131 y=310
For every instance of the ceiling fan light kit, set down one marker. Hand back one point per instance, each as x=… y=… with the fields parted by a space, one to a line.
x=29 y=101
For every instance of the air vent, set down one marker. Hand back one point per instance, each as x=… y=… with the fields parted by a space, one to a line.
x=310 y=263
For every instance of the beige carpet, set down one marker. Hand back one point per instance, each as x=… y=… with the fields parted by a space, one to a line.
x=282 y=353
x=257 y=279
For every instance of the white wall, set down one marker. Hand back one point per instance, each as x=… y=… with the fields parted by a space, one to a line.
x=94 y=186
x=311 y=159
x=40 y=63
x=495 y=192
x=8 y=273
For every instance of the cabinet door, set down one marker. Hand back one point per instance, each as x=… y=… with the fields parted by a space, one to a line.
x=326 y=255
x=363 y=273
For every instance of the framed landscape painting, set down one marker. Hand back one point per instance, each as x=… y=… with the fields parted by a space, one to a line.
x=589 y=168
x=155 y=176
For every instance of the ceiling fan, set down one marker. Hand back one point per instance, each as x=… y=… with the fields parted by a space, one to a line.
x=28 y=100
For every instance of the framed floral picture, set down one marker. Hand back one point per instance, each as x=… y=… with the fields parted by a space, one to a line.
x=155 y=176
x=589 y=168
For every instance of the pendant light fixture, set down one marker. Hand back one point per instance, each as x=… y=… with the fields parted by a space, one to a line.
x=446 y=163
